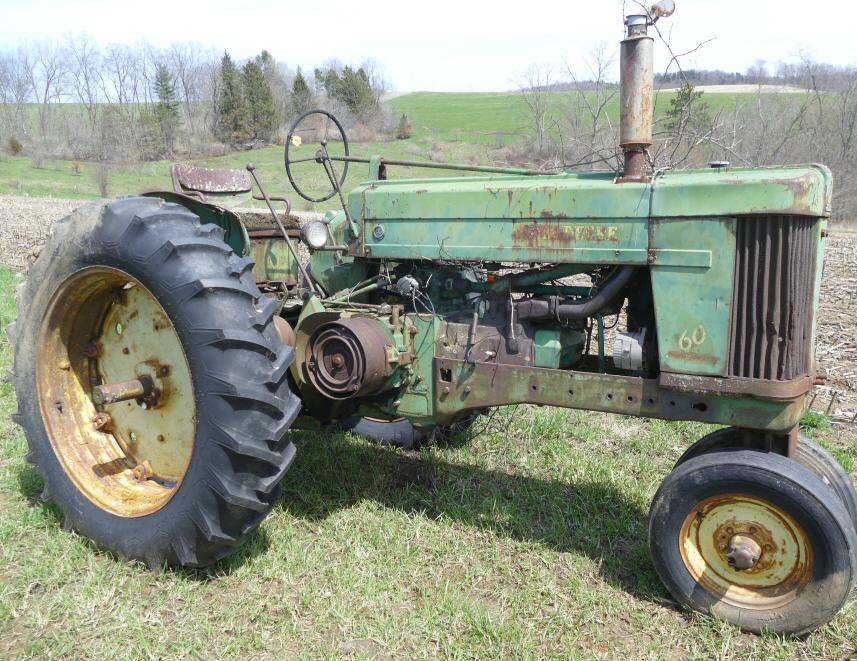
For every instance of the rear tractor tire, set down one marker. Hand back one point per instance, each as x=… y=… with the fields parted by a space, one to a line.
x=754 y=538
x=151 y=383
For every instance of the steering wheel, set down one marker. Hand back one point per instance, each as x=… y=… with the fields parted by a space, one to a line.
x=315 y=127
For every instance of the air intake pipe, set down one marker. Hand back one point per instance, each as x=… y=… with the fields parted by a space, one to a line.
x=636 y=91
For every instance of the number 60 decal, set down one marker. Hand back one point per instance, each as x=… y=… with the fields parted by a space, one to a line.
x=687 y=342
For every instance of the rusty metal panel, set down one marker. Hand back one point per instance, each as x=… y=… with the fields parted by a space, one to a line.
x=274 y=261
x=460 y=386
x=775 y=273
x=800 y=190
x=208 y=180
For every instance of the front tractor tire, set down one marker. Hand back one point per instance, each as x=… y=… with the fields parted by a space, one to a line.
x=151 y=383
x=754 y=538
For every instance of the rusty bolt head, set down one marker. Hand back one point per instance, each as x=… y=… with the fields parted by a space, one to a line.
x=102 y=422
x=142 y=471
x=92 y=349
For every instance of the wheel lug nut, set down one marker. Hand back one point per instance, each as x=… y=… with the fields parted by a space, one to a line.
x=92 y=350
x=142 y=471
x=102 y=422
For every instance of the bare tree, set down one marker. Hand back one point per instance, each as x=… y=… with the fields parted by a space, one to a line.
x=85 y=75
x=538 y=96
x=44 y=68
x=588 y=136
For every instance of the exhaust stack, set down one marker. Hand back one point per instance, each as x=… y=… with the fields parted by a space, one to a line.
x=636 y=90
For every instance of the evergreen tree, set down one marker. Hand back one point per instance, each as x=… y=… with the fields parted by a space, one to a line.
x=231 y=105
x=355 y=90
x=405 y=129
x=302 y=98
x=166 y=110
x=688 y=113
x=328 y=81
x=262 y=116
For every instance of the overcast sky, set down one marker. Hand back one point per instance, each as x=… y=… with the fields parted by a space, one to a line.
x=446 y=45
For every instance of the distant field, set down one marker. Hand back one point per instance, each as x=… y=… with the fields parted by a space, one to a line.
x=479 y=117
x=457 y=127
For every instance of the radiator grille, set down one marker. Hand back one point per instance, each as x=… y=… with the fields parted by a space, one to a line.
x=773 y=297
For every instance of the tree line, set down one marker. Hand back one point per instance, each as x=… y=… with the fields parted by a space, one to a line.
x=817 y=124
x=79 y=101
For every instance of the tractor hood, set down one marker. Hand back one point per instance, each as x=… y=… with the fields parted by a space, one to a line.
x=567 y=217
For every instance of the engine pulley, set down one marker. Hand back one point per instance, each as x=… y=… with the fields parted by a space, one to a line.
x=348 y=358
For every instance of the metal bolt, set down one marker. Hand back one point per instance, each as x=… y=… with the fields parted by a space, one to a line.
x=378 y=232
x=133 y=437
x=467 y=390
x=102 y=422
x=122 y=391
x=161 y=438
x=446 y=390
x=92 y=350
x=143 y=471
x=397 y=403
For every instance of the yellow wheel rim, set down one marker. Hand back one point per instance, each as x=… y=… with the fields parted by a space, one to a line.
x=718 y=525
x=103 y=327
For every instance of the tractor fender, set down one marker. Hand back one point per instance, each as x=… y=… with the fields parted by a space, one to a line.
x=235 y=236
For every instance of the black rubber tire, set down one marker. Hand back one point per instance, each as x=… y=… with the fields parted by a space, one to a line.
x=402 y=433
x=808 y=453
x=788 y=485
x=238 y=367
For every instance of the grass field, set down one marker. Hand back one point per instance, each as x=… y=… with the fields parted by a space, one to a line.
x=528 y=542
x=58 y=178
x=480 y=117
x=469 y=128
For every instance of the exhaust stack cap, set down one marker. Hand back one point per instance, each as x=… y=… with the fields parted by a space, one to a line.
x=637 y=25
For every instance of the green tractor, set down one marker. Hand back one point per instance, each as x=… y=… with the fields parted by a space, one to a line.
x=165 y=346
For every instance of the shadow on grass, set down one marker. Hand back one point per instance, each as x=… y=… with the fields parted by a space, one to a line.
x=585 y=517
x=31 y=486
x=333 y=471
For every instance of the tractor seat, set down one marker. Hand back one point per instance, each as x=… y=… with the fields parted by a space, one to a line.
x=210 y=185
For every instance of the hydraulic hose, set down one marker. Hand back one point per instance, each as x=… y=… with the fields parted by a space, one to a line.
x=551 y=308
